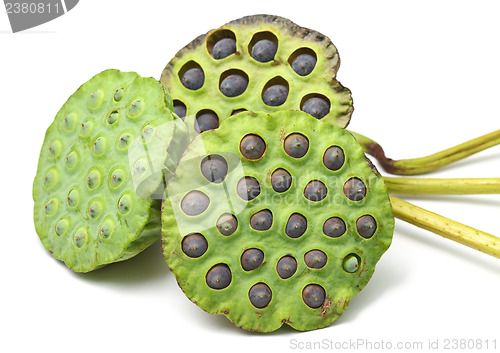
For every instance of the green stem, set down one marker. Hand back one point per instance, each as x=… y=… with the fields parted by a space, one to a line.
x=468 y=236
x=463 y=186
x=429 y=163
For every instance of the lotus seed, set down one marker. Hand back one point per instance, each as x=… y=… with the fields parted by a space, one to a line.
x=207 y=120
x=106 y=229
x=317 y=107
x=286 y=267
x=95 y=209
x=195 y=203
x=252 y=147
x=112 y=117
x=194 y=245
x=303 y=64
x=135 y=108
x=261 y=220
x=93 y=179
x=281 y=180
x=80 y=237
x=147 y=133
x=214 y=168
x=260 y=295
x=71 y=160
x=355 y=189
x=334 y=227
x=296 y=225
x=118 y=95
x=69 y=122
x=116 y=178
x=237 y=111
x=50 y=179
x=315 y=191
x=227 y=224
x=351 y=263
x=180 y=109
x=366 y=226
x=140 y=168
x=275 y=95
x=86 y=129
x=123 y=141
x=252 y=259
x=51 y=207
x=193 y=79
x=95 y=100
x=315 y=259
x=219 y=276
x=264 y=50
x=73 y=198
x=334 y=158
x=124 y=204
x=296 y=145
x=248 y=188
x=223 y=48
x=54 y=149
x=313 y=295
x=233 y=85
x=62 y=227
x=99 y=146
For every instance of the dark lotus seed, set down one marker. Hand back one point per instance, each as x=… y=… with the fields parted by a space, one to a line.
x=355 y=189
x=260 y=295
x=264 y=50
x=281 y=180
x=180 y=109
x=334 y=227
x=248 y=188
x=315 y=191
x=233 y=85
x=195 y=203
x=252 y=259
x=296 y=145
x=275 y=95
x=252 y=146
x=223 y=48
x=214 y=168
x=313 y=295
x=219 y=276
x=237 y=111
x=227 y=224
x=193 y=78
x=303 y=64
x=194 y=245
x=315 y=259
x=261 y=220
x=366 y=226
x=334 y=158
x=296 y=225
x=317 y=107
x=206 y=121
x=286 y=267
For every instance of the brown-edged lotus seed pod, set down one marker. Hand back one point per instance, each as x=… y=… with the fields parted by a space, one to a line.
x=284 y=242
x=258 y=63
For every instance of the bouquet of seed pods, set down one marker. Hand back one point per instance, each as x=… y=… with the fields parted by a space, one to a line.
x=268 y=210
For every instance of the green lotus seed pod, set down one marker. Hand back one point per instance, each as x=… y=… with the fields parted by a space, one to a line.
x=284 y=255
x=258 y=63
x=102 y=160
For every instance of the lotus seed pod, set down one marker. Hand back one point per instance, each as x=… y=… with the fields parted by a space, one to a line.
x=102 y=159
x=258 y=63
x=295 y=254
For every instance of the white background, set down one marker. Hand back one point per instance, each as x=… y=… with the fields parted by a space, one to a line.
x=424 y=75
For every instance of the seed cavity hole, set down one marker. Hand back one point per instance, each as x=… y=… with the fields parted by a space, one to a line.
x=303 y=61
x=192 y=76
x=248 y=188
x=219 y=276
x=221 y=44
x=263 y=46
x=194 y=245
x=233 y=83
x=275 y=92
x=195 y=203
x=206 y=119
x=316 y=105
x=251 y=259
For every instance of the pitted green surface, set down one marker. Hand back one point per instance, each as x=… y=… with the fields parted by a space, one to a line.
x=340 y=277
x=290 y=37
x=87 y=212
